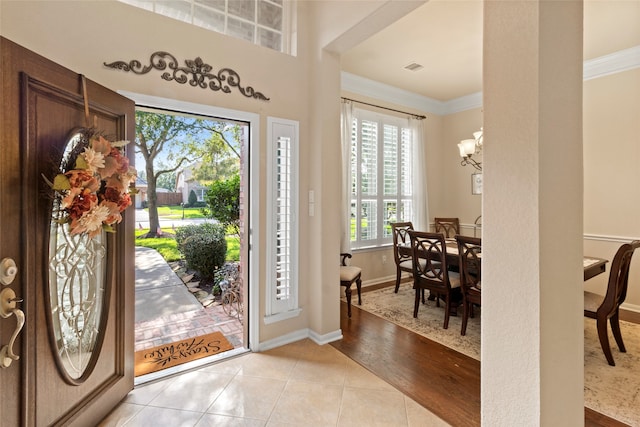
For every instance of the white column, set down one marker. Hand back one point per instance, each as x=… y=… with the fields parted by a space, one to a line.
x=532 y=324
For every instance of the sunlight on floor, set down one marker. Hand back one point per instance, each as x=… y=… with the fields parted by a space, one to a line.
x=300 y=384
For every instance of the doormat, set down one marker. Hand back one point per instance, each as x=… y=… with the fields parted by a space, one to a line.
x=168 y=355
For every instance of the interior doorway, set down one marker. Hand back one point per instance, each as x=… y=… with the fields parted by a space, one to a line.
x=191 y=284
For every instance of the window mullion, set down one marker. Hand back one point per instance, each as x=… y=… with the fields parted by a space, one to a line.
x=380 y=186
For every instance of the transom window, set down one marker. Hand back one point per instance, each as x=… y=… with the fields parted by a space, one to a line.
x=266 y=23
x=381 y=171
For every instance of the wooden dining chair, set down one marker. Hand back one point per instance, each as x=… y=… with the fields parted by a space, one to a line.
x=348 y=275
x=429 y=256
x=448 y=226
x=470 y=262
x=603 y=308
x=402 y=249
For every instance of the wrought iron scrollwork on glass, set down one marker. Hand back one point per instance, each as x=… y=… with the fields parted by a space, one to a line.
x=196 y=73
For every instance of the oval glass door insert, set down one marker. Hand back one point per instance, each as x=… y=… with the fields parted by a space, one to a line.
x=77 y=284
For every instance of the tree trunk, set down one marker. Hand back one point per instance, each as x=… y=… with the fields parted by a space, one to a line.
x=152 y=204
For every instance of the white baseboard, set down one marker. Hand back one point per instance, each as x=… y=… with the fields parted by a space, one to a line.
x=326 y=338
x=630 y=307
x=379 y=280
x=297 y=336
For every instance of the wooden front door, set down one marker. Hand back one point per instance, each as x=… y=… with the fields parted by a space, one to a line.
x=41 y=103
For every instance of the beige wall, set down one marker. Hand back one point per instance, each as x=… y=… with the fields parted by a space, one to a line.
x=457 y=200
x=83 y=35
x=612 y=172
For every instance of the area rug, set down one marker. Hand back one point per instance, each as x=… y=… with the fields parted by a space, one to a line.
x=613 y=390
x=168 y=355
x=610 y=390
x=398 y=309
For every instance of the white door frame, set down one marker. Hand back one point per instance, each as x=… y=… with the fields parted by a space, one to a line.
x=252 y=232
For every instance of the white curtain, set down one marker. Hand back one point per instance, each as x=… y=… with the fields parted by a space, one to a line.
x=346 y=121
x=420 y=199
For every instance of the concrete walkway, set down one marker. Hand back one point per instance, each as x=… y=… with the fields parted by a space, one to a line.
x=167 y=312
x=159 y=291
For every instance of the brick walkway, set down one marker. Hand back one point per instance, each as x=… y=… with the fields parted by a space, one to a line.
x=179 y=326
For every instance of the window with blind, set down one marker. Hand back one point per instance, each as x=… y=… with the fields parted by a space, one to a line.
x=282 y=217
x=266 y=23
x=381 y=187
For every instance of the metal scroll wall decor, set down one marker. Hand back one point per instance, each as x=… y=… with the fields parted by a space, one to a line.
x=196 y=73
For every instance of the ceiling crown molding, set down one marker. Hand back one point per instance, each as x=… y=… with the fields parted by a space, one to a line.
x=613 y=63
x=464 y=103
x=617 y=62
x=373 y=89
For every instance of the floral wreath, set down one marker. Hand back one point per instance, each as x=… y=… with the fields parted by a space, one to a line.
x=92 y=186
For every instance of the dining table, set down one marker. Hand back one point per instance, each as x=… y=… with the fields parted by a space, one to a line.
x=593 y=266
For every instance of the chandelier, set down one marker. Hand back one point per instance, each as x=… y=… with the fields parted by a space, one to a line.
x=469 y=147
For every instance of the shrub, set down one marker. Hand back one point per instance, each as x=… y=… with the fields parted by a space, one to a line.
x=186 y=231
x=223 y=198
x=229 y=271
x=193 y=198
x=203 y=246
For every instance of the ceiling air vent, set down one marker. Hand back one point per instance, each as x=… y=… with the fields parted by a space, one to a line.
x=413 y=67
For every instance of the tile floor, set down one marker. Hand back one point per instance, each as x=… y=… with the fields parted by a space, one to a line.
x=300 y=384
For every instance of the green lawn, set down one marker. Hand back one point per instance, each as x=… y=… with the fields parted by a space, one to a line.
x=168 y=247
x=175 y=212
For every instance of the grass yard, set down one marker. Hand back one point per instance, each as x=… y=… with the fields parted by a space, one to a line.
x=168 y=247
x=175 y=212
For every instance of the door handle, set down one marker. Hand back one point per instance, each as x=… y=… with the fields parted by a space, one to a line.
x=8 y=302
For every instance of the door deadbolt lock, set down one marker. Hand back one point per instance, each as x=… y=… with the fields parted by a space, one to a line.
x=8 y=271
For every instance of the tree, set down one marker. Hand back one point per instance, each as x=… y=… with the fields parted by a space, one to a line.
x=166 y=134
x=220 y=153
x=193 y=198
x=167 y=180
x=223 y=198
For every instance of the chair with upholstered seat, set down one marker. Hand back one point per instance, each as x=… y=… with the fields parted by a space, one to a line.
x=402 y=249
x=430 y=272
x=447 y=226
x=469 y=255
x=603 y=308
x=348 y=275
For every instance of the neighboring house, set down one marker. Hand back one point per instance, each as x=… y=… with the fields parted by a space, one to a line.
x=141 y=197
x=185 y=182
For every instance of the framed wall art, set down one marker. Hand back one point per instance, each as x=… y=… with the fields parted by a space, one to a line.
x=476 y=183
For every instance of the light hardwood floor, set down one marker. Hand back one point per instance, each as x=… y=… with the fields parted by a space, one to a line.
x=442 y=380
